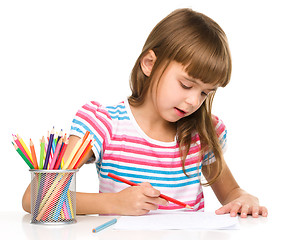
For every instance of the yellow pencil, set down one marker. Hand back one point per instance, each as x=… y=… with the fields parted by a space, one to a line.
x=25 y=146
x=72 y=154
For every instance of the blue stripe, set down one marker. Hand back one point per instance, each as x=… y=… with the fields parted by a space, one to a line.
x=147 y=178
x=117 y=112
x=149 y=170
x=120 y=118
x=115 y=107
x=87 y=129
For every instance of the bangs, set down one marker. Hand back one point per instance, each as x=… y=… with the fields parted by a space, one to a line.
x=207 y=59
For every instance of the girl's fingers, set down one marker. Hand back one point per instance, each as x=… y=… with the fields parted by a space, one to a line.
x=255 y=211
x=263 y=211
x=232 y=208
x=244 y=211
x=236 y=206
x=224 y=209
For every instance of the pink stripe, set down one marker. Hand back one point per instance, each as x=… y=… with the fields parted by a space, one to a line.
x=146 y=162
x=99 y=117
x=150 y=152
x=94 y=124
x=96 y=109
x=138 y=140
x=142 y=141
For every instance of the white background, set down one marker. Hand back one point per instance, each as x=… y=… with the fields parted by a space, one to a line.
x=57 y=55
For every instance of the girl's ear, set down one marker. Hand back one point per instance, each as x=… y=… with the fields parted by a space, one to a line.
x=147 y=62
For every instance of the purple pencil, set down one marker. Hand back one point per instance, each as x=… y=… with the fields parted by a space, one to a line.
x=49 y=148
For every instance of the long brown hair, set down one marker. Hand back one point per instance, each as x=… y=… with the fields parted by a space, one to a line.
x=200 y=45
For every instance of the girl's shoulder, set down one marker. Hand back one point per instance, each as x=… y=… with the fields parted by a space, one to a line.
x=109 y=112
x=219 y=125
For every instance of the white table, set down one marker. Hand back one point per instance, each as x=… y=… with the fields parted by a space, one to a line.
x=17 y=224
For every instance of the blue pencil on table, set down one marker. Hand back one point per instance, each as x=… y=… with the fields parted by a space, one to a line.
x=105 y=225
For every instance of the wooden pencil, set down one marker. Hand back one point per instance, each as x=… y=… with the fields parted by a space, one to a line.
x=81 y=160
x=49 y=149
x=23 y=156
x=170 y=199
x=79 y=153
x=34 y=156
x=72 y=154
x=63 y=148
x=25 y=146
x=56 y=153
x=42 y=153
x=19 y=145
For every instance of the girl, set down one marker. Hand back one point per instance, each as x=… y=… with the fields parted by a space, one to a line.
x=164 y=135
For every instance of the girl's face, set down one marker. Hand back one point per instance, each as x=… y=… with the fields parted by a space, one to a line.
x=177 y=94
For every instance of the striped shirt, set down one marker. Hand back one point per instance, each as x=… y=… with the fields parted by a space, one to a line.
x=124 y=149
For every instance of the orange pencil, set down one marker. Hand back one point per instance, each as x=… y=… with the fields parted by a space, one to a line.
x=80 y=161
x=34 y=156
x=82 y=148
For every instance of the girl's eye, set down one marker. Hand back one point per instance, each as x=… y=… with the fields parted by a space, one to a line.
x=184 y=86
x=204 y=94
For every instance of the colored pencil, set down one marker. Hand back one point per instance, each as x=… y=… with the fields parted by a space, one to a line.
x=52 y=200
x=105 y=225
x=42 y=152
x=25 y=147
x=23 y=156
x=16 y=140
x=63 y=148
x=49 y=149
x=34 y=156
x=72 y=154
x=170 y=199
x=55 y=155
x=81 y=161
x=79 y=153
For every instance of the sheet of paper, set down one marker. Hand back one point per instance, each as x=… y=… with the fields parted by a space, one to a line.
x=178 y=220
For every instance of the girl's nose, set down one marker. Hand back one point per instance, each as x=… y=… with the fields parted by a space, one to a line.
x=193 y=100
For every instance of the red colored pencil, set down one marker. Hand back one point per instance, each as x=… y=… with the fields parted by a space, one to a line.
x=170 y=199
x=63 y=148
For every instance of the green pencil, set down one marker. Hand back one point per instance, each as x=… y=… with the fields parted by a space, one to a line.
x=42 y=153
x=23 y=156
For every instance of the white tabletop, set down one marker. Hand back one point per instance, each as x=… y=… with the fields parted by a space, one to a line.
x=17 y=224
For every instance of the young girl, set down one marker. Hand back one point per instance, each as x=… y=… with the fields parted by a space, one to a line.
x=164 y=135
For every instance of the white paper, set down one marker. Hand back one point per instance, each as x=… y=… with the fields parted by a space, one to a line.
x=178 y=220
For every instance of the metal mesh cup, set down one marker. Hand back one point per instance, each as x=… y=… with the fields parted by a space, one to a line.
x=53 y=195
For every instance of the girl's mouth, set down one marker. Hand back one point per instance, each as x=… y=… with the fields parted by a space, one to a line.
x=179 y=112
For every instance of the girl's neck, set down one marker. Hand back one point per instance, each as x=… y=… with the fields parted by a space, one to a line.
x=152 y=124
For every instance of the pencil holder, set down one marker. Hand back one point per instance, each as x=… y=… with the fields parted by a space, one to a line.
x=53 y=196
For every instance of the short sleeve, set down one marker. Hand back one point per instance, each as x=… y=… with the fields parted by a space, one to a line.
x=221 y=131
x=93 y=117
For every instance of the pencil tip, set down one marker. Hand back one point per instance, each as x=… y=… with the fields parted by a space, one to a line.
x=189 y=207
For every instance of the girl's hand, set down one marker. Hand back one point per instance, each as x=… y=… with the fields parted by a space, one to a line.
x=245 y=204
x=139 y=200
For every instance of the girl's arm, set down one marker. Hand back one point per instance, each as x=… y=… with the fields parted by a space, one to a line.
x=234 y=199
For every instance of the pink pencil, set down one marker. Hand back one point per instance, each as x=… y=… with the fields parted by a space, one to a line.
x=55 y=155
x=22 y=148
x=64 y=145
